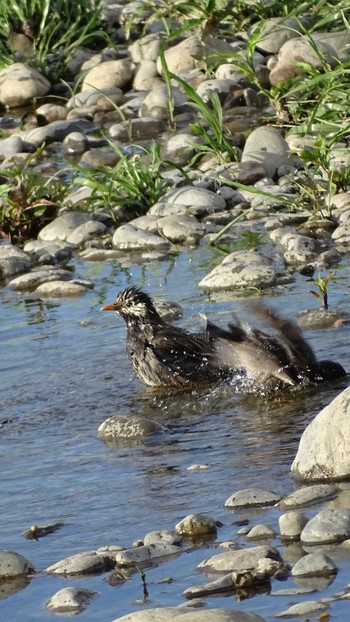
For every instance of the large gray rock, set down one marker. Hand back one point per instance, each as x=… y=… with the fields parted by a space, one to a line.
x=128 y=426
x=20 y=84
x=169 y=614
x=62 y=227
x=244 y=269
x=323 y=452
x=266 y=146
x=13 y=564
x=308 y=495
x=56 y=131
x=87 y=562
x=300 y=50
x=245 y=559
x=32 y=280
x=129 y=238
x=252 y=497
x=112 y=73
x=314 y=565
x=327 y=526
x=13 y=261
x=70 y=600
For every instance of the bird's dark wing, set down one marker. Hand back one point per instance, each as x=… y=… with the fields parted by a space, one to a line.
x=186 y=354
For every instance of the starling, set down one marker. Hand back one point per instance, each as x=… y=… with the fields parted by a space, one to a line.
x=163 y=355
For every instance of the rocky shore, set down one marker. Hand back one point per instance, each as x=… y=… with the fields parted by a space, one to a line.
x=255 y=208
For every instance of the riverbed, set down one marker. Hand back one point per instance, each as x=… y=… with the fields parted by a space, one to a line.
x=64 y=371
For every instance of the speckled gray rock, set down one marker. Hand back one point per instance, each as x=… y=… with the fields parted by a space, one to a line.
x=291 y=524
x=56 y=131
x=327 y=526
x=146 y=553
x=162 y=536
x=196 y=525
x=70 y=600
x=168 y=614
x=87 y=562
x=13 y=261
x=19 y=84
x=266 y=146
x=244 y=269
x=32 y=280
x=181 y=229
x=252 y=498
x=86 y=231
x=184 y=56
x=46 y=252
x=138 y=129
x=297 y=249
x=304 y=609
x=13 y=564
x=321 y=454
x=129 y=238
x=200 y=198
x=128 y=426
x=246 y=579
x=179 y=148
x=299 y=49
x=308 y=495
x=11 y=145
x=63 y=226
x=314 y=565
x=112 y=73
x=63 y=289
x=155 y=104
x=260 y=532
x=245 y=559
x=276 y=32
x=93 y=97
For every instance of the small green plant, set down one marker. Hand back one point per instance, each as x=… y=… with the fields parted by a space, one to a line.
x=135 y=182
x=28 y=201
x=322 y=287
x=53 y=28
x=209 y=126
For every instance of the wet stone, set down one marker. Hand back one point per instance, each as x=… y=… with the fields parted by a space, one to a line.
x=13 y=564
x=321 y=455
x=54 y=252
x=162 y=536
x=245 y=559
x=87 y=562
x=291 y=524
x=129 y=238
x=260 y=532
x=128 y=426
x=13 y=261
x=63 y=226
x=196 y=525
x=314 y=565
x=70 y=600
x=63 y=289
x=303 y=609
x=252 y=497
x=32 y=280
x=146 y=553
x=169 y=614
x=308 y=495
x=326 y=527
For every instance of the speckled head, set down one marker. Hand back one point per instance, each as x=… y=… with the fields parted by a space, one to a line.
x=132 y=302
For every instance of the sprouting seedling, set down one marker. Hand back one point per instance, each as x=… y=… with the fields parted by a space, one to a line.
x=321 y=283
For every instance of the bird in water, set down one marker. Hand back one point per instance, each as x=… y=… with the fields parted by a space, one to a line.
x=164 y=355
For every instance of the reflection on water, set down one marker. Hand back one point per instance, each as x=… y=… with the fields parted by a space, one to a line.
x=63 y=371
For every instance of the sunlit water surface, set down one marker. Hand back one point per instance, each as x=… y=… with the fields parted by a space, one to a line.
x=63 y=371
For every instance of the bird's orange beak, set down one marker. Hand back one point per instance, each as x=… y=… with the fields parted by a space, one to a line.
x=109 y=307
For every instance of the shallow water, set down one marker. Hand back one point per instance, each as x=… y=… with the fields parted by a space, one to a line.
x=63 y=371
